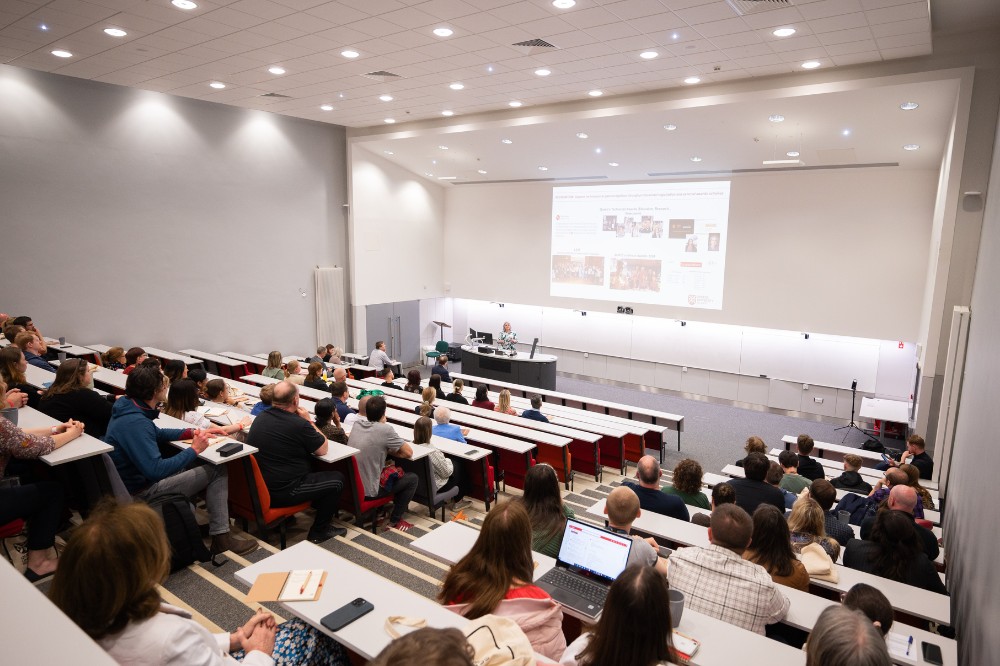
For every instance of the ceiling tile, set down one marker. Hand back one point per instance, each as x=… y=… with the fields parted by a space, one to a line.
x=726 y=27
x=276 y=31
x=658 y=22
x=826 y=8
x=448 y=9
x=737 y=40
x=373 y=7
x=844 y=36
x=776 y=17
x=841 y=22
x=336 y=13
x=758 y=60
x=902 y=27
x=879 y=4
x=748 y=51
x=588 y=18
x=264 y=9
x=612 y=31
x=911 y=10
x=411 y=18
x=896 y=41
x=716 y=11
x=856 y=58
x=632 y=9
x=851 y=47
x=699 y=46
x=232 y=18
x=794 y=43
x=517 y=13
x=475 y=23
x=300 y=5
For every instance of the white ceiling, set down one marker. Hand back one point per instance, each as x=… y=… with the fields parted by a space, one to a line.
x=597 y=42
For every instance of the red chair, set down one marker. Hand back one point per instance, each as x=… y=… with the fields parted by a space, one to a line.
x=923 y=522
x=361 y=507
x=250 y=499
x=13 y=528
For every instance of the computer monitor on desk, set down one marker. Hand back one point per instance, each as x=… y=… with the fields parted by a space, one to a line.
x=534 y=345
x=487 y=337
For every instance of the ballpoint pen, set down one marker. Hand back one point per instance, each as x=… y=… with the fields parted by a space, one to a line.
x=909 y=644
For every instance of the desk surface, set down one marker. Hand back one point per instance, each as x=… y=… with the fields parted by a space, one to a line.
x=519 y=357
x=70 y=349
x=337 y=451
x=82 y=447
x=894 y=411
x=110 y=377
x=347 y=581
x=171 y=356
x=215 y=358
x=211 y=454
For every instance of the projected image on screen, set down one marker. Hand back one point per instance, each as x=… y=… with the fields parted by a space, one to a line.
x=660 y=243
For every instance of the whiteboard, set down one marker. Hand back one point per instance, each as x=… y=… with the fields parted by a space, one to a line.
x=837 y=362
x=598 y=332
x=774 y=354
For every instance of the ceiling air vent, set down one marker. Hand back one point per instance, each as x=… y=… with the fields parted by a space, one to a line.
x=744 y=7
x=276 y=95
x=381 y=76
x=533 y=46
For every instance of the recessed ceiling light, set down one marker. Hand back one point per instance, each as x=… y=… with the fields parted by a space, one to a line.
x=543 y=168
x=670 y=127
x=696 y=159
x=388 y=152
x=597 y=150
x=648 y=55
x=444 y=32
x=514 y=103
x=276 y=70
x=59 y=53
x=447 y=113
x=115 y=32
x=349 y=53
x=846 y=132
x=43 y=27
x=582 y=135
x=385 y=98
x=456 y=86
x=183 y=4
x=692 y=79
x=447 y=177
x=810 y=64
x=507 y=141
x=784 y=32
x=908 y=106
x=429 y=175
x=776 y=118
x=326 y=107
x=389 y=121
x=596 y=93
x=675 y=36
x=563 y=4
x=543 y=72
x=911 y=146
x=489 y=68
x=443 y=147
x=218 y=85
x=434 y=161
x=792 y=153
x=612 y=163
x=482 y=171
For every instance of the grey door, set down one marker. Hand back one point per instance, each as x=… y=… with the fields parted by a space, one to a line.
x=398 y=325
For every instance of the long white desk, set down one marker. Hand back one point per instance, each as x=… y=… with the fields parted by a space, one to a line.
x=112 y=378
x=839 y=450
x=171 y=356
x=82 y=447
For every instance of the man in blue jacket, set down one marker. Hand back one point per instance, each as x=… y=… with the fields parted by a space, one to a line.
x=146 y=473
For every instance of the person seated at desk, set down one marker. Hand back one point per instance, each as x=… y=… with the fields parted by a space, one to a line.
x=200 y=378
x=11 y=331
x=133 y=357
x=319 y=356
x=293 y=373
x=791 y=480
x=387 y=378
x=114 y=358
x=754 y=444
x=314 y=377
x=807 y=466
x=880 y=493
x=146 y=473
x=378 y=359
x=508 y=338
x=894 y=551
x=413 y=381
x=182 y=403
x=807 y=525
x=349 y=422
x=273 y=368
x=535 y=413
x=217 y=396
x=374 y=439
x=718 y=582
x=845 y=637
x=328 y=421
x=904 y=499
x=722 y=493
x=429 y=645
x=33 y=348
x=483 y=399
x=771 y=548
x=447 y=474
x=175 y=370
x=122 y=609
x=923 y=495
x=12 y=368
x=456 y=393
x=503 y=404
x=266 y=393
x=341 y=375
x=634 y=628
x=494 y=578
x=651 y=498
x=686 y=484
x=40 y=504
x=443 y=427
x=851 y=479
x=752 y=491
x=825 y=495
x=774 y=476
x=434 y=381
x=340 y=397
x=288 y=441
x=70 y=397
x=622 y=508
x=426 y=406
x=546 y=510
x=333 y=355
x=915 y=454
x=29 y=325
x=872 y=603
x=440 y=369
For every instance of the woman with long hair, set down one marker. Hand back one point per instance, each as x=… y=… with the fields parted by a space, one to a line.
x=292 y=373
x=13 y=365
x=413 y=382
x=175 y=370
x=503 y=404
x=807 y=525
x=456 y=394
x=182 y=403
x=114 y=358
x=434 y=381
x=133 y=357
x=328 y=421
x=426 y=407
x=771 y=548
x=71 y=397
x=893 y=550
x=122 y=609
x=314 y=377
x=495 y=577
x=273 y=369
x=548 y=514
x=913 y=474
x=754 y=445
x=686 y=484
x=483 y=398
x=635 y=626
x=447 y=474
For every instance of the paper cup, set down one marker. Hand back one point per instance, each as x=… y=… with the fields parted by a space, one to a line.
x=676 y=607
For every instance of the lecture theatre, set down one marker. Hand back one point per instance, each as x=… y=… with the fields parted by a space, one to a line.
x=675 y=224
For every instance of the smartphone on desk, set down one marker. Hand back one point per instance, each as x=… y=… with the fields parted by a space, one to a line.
x=346 y=614
x=932 y=653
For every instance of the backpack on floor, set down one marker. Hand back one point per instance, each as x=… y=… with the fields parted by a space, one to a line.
x=186 y=545
x=873 y=445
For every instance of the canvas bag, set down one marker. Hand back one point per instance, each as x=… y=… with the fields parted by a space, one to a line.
x=498 y=641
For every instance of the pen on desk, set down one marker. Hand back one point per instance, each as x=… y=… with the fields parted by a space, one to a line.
x=909 y=644
x=303 y=589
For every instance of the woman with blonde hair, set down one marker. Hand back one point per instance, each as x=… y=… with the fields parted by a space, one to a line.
x=426 y=407
x=273 y=369
x=456 y=394
x=122 y=609
x=114 y=358
x=808 y=525
x=503 y=404
x=292 y=373
x=754 y=445
x=494 y=578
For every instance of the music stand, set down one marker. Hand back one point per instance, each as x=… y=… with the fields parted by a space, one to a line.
x=443 y=326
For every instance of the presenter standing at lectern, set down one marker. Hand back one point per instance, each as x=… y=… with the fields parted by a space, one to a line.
x=508 y=338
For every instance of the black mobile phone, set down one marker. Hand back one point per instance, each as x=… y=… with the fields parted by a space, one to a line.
x=932 y=653
x=346 y=614
x=229 y=449
x=472 y=452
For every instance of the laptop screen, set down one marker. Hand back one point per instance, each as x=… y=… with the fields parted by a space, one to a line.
x=594 y=550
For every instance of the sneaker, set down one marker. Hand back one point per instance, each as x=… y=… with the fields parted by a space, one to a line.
x=326 y=533
x=461 y=504
x=224 y=542
x=402 y=526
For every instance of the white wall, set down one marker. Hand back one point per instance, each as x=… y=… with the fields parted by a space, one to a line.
x=862 y=272
x=138 y=218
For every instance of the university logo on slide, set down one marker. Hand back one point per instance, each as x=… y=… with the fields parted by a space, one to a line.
x=692 y=299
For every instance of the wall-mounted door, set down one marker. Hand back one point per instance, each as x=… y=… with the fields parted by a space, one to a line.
x=398 y=325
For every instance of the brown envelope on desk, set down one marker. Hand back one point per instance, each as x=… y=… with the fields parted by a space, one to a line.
x=268 y=587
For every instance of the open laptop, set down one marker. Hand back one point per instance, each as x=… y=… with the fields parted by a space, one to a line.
x=590 y=559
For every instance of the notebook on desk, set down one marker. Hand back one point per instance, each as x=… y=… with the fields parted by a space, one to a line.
x=590 y=559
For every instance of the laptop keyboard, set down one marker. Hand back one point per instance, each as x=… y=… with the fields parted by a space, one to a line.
x=587 y=589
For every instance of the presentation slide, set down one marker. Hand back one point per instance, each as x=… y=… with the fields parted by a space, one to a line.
x=658 y=243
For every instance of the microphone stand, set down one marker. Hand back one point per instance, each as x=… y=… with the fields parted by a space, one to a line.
x=852 y=425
